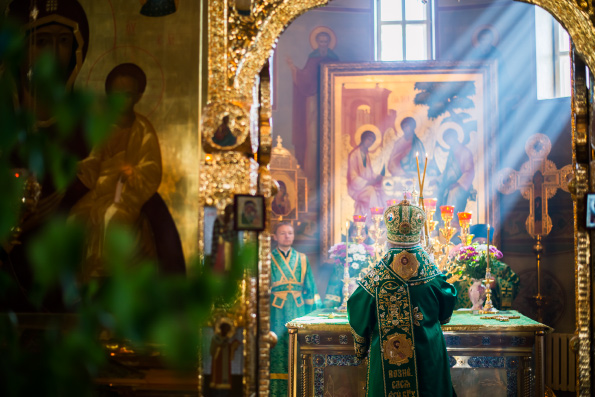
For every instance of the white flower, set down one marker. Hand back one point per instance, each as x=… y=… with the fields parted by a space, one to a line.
x=348 y=260
x=481 y=247
x=355 y=265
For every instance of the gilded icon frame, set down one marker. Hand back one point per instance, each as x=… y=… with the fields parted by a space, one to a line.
x=337 y=79
x=241 y=223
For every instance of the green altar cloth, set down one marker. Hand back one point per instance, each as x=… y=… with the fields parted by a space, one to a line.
x=461 y=320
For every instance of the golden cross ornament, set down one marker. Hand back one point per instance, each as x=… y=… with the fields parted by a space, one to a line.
x=538 y=180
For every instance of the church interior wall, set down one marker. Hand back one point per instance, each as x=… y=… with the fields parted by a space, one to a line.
x=520 y=116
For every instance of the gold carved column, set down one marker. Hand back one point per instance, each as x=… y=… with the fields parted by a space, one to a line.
x=578 y=18
x=241 y=37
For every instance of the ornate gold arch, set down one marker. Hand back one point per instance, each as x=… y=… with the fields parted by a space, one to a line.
x=578 y=18
x=239 y=45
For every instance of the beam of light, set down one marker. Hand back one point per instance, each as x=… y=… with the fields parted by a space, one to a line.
x=521 y=114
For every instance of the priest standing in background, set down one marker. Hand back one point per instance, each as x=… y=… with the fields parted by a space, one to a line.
x=293 y=295
x=396 y=312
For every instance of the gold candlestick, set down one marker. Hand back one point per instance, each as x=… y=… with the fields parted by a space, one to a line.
x=359 y=227
x=376 y=233
x=346 y=278
x=465 y=221
x=441 y=250
x=430 y=208
x=488 y=306
x=447 y=231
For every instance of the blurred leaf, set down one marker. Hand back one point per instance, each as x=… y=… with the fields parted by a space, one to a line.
x=135 y=304
x=63 y=166
x=55 y=255
x=10 y=201
x=100 y=123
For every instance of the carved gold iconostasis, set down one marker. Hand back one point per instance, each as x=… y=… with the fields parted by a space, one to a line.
x=162 y=38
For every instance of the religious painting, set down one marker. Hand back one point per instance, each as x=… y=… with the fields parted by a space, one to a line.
x=285 y=202
x=249 y=212
x=380 y=120
x=222 y=358
x=313 y=39
x=302 y=199
x=220 y=238
x=591 y=211
x=146 y=173
x=144 y=50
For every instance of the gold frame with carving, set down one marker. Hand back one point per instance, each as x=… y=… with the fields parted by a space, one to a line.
x=337 y=76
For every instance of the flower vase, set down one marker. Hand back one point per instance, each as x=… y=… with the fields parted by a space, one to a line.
x=477 y=294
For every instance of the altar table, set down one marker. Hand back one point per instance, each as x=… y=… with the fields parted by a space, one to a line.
x=487 y=357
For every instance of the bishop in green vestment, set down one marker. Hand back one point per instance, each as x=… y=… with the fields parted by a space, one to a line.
x=396 y=312
x=293 y=295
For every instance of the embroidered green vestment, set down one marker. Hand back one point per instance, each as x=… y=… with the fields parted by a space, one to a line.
x=293 y=295
x=395 y=315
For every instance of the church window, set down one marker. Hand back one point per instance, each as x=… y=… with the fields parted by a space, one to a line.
x=404 y=30
x=553 y=57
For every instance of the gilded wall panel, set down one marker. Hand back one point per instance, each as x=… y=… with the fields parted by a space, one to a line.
x=163 y=42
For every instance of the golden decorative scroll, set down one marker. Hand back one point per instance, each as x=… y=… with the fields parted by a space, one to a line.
x=578 y=18
x=238 y=48
x=265 y=186
x=581 y=236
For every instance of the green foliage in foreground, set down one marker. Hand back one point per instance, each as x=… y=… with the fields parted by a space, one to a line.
x=135 y=304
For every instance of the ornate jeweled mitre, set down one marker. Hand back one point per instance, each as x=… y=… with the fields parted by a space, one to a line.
x=404 y=223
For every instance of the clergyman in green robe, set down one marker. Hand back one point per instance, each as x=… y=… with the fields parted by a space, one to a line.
x=293 y=295
x=396 y=312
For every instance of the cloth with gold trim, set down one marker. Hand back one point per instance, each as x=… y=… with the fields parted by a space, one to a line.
x=293 y=295
x=395 y=316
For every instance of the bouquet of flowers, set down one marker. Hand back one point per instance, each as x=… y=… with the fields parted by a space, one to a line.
x=470 y=261
x=358 y=256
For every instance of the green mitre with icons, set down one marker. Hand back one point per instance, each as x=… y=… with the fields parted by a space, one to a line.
x=404 y=223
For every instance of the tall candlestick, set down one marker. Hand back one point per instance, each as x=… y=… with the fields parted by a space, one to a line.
x=418 y=173
x=346 y=278
x=423 y=180
x=488 y=306
x=488 y=259
x=347 y=223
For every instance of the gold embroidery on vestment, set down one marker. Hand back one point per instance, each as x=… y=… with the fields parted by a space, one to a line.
x=405 y=264
x=398 y=349
x=417 y=316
